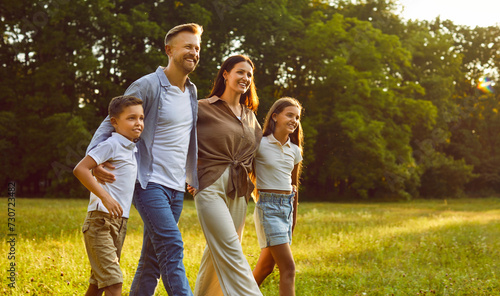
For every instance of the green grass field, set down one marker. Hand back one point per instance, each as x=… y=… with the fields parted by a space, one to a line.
x=410 y=248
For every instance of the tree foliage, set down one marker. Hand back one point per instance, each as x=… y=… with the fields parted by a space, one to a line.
x=392 y=108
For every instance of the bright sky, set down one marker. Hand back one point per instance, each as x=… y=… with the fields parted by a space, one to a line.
x=472 y=13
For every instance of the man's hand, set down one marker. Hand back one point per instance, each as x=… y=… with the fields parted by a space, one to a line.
x=102 y=175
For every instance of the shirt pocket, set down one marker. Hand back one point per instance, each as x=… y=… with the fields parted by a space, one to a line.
x=96 y=223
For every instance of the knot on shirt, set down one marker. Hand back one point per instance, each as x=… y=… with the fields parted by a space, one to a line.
x=239 y=182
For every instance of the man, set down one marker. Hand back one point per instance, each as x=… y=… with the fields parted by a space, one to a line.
x=167 y=155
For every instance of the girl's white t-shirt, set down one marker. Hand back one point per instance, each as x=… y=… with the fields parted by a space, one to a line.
x=274 y=163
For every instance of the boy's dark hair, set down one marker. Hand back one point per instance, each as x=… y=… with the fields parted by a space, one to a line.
x=117 y=104
x=191 y=27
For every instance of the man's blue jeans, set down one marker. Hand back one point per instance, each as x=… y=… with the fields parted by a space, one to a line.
x=162 y=249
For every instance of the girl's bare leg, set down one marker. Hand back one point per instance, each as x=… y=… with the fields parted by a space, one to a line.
x=282 y=256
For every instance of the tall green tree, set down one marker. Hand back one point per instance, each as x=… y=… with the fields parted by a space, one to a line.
x=474 y=134
x=366 y=129
x=437 y=69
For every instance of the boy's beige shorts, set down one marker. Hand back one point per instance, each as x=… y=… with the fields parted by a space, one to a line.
x=104 y=237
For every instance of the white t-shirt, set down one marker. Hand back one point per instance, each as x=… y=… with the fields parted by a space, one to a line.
x=171 y=139
x=274 y=163
x=120 y=152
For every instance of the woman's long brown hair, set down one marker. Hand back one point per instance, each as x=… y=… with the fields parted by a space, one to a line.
x=249 y=98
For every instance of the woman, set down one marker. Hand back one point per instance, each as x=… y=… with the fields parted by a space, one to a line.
x=228 y=137
x=277 y=166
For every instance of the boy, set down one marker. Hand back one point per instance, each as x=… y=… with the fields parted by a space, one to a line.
x=105 y=226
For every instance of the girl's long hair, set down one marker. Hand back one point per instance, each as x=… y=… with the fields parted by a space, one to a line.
x=249 y=98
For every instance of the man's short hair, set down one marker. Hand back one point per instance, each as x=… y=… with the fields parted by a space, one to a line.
x=191 y=27
x=119 y=103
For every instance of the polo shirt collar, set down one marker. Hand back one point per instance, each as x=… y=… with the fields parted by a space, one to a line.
x=123 y=141
x=273 y=140
x=164 y=80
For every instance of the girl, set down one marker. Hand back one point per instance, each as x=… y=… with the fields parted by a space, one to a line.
x=277 y=166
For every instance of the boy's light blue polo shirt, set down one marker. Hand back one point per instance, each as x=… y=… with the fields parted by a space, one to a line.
x=120 y=152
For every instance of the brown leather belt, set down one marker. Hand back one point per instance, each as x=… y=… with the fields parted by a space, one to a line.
x=275 y=191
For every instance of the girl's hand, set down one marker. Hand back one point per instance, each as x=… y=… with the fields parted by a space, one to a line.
x=295 y=205
x=294 y=222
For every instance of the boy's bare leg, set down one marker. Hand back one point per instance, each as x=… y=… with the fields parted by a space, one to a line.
x=93 y=290
x=113 y=290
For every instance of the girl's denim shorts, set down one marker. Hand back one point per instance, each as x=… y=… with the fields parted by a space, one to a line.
x=273 y=217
